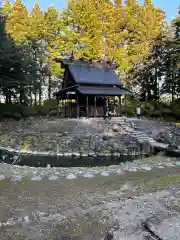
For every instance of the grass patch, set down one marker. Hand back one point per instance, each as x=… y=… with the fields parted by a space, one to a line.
x=160 y=183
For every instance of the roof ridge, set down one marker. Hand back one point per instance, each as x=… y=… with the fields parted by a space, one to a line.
x=88 y=63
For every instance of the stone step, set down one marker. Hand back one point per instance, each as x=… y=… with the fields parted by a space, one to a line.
x=140 y=135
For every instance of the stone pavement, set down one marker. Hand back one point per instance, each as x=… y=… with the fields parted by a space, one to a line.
x=123 y=217
x=126 y=218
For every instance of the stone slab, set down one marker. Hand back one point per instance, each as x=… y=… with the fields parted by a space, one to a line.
x=168 y=229
x=159 y=145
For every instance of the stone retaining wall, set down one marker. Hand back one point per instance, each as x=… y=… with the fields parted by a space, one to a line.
x=119 y=138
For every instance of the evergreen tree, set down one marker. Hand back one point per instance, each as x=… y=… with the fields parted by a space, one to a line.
x=172 y=60
x=12 y=66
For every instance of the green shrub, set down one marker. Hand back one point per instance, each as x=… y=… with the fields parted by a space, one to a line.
x=17 y=115
x=149 y=107
x=176 y=113
x=42 y=110
x=9 y=110
x=177 y=102
x=155 y=114
x=22 y=110
x=17 y=110
x=166 y=112
x=128 y=111
x=50 y=104
x=29 y=111
x=156 y=109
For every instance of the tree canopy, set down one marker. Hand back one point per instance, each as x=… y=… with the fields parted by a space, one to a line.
x=133 y=35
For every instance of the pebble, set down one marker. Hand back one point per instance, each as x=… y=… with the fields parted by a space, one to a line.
x=84 y=154
x=36 y=178
x=60 y=154
x=119 y=171
x=76 y=154
x=26 y=219
x=147 y=168
x=16 y=178
x=132 y=170
x=67 y=154
x=169 y=164
x=105 y=174
x=2 y=177
x=71 y=176
x=160 y=167
x=53 y=178
x=177 y=163
x=89 y=175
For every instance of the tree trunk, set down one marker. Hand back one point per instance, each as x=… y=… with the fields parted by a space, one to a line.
x=21 y=97
x=8 y=98
x=172 y=91
x=173 y=86
x=156 y=85
x=31 y=99
x=35 y=98
x=40 y=95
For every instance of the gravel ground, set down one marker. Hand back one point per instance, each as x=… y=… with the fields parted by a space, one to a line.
x=88 y=208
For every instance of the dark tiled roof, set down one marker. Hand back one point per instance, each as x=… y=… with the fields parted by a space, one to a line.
x=91 y=73
x=103 y=91
x=94 y=75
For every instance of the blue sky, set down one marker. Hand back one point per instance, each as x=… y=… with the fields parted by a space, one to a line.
x=170 y=7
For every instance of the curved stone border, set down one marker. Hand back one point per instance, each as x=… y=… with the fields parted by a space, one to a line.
x=90 y=175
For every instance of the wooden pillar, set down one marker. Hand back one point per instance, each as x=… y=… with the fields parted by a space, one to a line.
x=107 y=106
x=87 y=108
x=68 y=112
x=120 y=101
x=125 y=104
x=77 y=105
x=66 y=105
x=119 y=105
x=114 y=107
x=95 y=106
x=62 y=105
